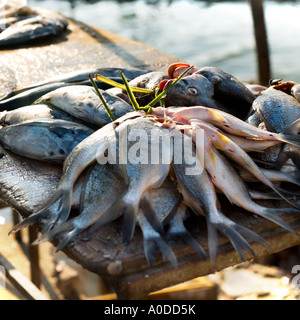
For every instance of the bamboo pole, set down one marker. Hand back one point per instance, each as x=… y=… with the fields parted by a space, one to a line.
x=262 y=49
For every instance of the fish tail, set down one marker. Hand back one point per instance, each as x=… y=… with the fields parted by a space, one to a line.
x=232 y=231
x=280 y=192
x=129 y=222
x=252 y=236
x=273 y=215
x=150 y=249
x=66 y=232
x=178 y=230
x=151 y=214
x=212 y=241
x=45 y=214
x=33 y=219
x=152 y=244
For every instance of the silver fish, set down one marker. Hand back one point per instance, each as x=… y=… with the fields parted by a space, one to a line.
x=79 y=77
x=82 y=156
x=49 y=140
x=30 y=29
x=166 y=201
x=224 y=176
x=237 y=154
x=33 y=112
x=277 y=109
x=225 y=121
x=83 y=103
x=274 y=176
x=143 y=175
x=101 y=187
x=199 y=194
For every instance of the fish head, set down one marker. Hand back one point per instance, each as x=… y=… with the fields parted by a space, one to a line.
x=194 y=89
x=148 y=80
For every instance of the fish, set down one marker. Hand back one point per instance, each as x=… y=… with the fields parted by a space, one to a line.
x=235 y=153
x=33 y=28
x=143 y=173
x=32 y=112
x=191 y=90
x=252 y=144
x=153 y=240
x=167 y=202
x=273 y=175
x=199 y=194
x=23 y=97
x=277 y=109
x=149 y=80
x=81 y=157
x=82 y=77
x=225 y=178
x=225 y=92
x=100 y=188
x=229 y=91
x=83 y=103
x=279 y=112
x=48 y=140
x=225 y=121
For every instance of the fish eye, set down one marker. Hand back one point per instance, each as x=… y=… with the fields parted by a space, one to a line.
x=143 y=82
x=193 y=91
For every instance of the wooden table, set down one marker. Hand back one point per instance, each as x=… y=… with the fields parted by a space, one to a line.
x=23 y=183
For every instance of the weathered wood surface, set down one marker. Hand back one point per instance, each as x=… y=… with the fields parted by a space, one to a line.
x=25 y=185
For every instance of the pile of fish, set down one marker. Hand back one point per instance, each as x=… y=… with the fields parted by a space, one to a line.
x=20 y=25
x=219 y=135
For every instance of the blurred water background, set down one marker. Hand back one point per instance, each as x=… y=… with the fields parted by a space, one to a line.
x=204 y=33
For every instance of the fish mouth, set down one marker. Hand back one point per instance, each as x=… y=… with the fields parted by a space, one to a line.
x=176 y=69
x=164 y=84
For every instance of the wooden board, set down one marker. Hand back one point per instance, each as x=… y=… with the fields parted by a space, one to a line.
x=24 y=184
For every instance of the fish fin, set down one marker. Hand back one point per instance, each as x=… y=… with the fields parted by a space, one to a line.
x=256 y=195
x=290 y=139
x=44 y=213
x=251 y=235
x=150 y=248
x=129 y=222
x=151 y=214
x=293 y=128
x=178 y=230
x=212 y=242
x=280 y=192
x=273 y=215
x=230 y=230
x=67 y=232
x=33 y=219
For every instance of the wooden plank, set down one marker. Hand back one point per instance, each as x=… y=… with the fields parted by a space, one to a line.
x=23 y=284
